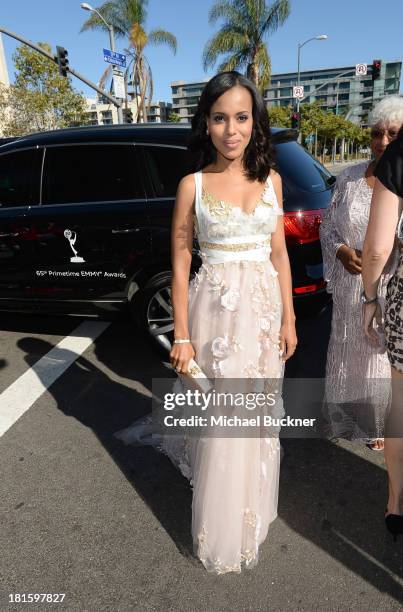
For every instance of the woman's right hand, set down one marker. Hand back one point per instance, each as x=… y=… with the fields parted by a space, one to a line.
x=180 y=356
x=350 y=258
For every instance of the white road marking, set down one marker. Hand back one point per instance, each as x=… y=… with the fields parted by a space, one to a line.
x=24 y=391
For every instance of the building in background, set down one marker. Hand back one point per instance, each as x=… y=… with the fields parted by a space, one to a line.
x=350 y=94
x=101 y=112
x=185 y=97
x=4 y=78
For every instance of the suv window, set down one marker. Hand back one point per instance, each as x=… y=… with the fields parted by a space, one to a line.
x=90 y=173
x=166 y=167
x=20 y=173
x=300 y=171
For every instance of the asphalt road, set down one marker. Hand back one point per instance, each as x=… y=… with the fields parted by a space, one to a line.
x=109 y=525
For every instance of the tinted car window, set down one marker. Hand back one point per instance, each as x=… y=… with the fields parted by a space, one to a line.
x=90 y=173
x=20 y=173
x=166 y=166
x=300 y=171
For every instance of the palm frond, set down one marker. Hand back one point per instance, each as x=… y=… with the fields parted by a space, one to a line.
x=225 y=10
x=226 y=40
x=275 y=16
x=138 y=37
x=263 y=61
x=121 y=14
x=237 y=61
x=162 y=37
x=107 y=10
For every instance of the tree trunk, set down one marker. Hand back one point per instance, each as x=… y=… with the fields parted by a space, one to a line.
x=334 y=150
x=252 y=72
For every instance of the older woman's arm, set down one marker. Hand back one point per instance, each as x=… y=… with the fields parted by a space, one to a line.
x=380 y=236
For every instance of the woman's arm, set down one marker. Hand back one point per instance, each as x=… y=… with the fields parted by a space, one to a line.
x=378 y=245
x=181 y=255
x=281 y=262
x=380 y=236
x=331 y=241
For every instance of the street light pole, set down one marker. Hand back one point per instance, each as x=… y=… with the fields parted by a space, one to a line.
x=300 y=45
x=88 y=7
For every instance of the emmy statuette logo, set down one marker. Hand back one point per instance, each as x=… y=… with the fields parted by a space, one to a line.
x=72 y=237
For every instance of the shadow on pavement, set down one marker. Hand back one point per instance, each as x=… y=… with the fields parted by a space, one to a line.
x=330 y=496
x=336 y=499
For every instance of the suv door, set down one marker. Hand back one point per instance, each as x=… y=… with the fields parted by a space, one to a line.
x=92 y=221
x=20 y=172
x=165 y=166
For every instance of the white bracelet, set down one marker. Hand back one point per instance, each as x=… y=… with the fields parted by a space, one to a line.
x=182 y=341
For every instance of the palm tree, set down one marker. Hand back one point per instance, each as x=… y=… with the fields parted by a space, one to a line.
x=128 y=19
x=247 y=24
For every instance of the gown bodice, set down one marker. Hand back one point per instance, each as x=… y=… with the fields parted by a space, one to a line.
x=226 y=233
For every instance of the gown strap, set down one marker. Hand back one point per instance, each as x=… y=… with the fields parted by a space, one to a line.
x=198 y=194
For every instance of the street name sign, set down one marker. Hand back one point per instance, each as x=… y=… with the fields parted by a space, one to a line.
x=117 y=59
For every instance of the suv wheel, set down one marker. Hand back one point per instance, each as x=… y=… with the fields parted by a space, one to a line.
x=153 y=312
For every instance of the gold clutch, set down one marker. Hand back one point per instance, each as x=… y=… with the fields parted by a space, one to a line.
x=198 y=377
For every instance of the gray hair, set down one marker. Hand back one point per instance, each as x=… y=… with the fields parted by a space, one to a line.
x=388 y=110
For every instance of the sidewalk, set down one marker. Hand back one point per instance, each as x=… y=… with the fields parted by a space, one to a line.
x=338 y=167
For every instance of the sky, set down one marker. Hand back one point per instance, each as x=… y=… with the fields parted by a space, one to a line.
x=358 y=31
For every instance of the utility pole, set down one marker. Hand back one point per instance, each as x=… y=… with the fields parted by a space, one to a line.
x=87 y=7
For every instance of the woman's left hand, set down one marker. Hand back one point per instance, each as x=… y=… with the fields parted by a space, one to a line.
x=371 y=312
x=288 y=339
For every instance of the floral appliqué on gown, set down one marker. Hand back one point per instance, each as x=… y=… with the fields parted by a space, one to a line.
x=235 y=312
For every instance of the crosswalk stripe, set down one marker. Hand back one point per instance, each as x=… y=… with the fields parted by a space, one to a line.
x=23 y=392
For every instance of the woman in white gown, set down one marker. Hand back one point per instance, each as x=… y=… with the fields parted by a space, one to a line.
x=355 y=369
x=236 y=317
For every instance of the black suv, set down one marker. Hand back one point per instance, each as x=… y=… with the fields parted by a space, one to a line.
x=85 y=218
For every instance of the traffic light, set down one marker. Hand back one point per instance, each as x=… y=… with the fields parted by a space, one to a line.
x=62 y=60
x=129 y=116
x=295 y=120
x=376 y=69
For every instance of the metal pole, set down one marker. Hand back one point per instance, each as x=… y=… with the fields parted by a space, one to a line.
x=113 y=48
x=298 y=72
x=312 y=93
x=112 y=38
x=337 y=97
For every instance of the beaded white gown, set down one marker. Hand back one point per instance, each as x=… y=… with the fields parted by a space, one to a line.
x=235 y=312
x=355 y=369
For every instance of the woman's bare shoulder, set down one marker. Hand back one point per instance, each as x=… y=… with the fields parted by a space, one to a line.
x=274 y=173
x=187 y=184
x=186 y=192
x=275 y=177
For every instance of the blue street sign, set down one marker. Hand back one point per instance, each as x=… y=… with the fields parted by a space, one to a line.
x=117 y=59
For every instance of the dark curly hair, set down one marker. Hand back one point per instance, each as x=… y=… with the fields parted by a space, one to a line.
x=259 y=155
